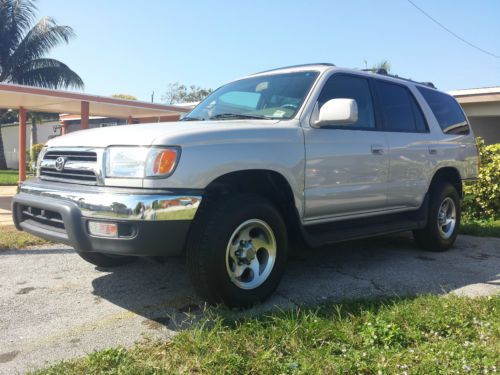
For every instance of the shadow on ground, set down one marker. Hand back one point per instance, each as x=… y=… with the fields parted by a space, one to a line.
x=385 y=266
x=54 y=306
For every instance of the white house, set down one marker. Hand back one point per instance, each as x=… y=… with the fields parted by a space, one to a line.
x=10 y=136
x=482 y=106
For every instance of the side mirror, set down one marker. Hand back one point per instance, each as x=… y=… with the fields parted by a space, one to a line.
x=338 y=112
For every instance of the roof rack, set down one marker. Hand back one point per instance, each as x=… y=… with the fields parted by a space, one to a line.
x=295 y=66
x=384 y=72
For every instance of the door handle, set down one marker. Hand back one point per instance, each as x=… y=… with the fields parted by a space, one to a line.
x=433 y=151
x=378 y=149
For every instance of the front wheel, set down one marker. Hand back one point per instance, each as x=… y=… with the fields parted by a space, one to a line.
x=104 y=260
x=443 y=221
x=237 y=250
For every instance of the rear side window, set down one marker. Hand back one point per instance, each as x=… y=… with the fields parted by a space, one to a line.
x=350 y=87
x=400 y=110
x=447 y=111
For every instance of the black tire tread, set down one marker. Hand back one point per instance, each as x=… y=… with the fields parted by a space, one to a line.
x=196 y=262
x=428 y=237
x=204 y=232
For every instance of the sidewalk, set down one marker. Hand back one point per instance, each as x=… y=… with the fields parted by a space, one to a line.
x=6 y=193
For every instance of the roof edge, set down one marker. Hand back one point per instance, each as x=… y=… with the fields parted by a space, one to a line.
x=10 y=87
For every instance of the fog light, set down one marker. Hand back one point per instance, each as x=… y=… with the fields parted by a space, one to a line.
x=102 y=229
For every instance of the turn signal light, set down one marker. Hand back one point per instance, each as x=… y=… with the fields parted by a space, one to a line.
x=164 y=162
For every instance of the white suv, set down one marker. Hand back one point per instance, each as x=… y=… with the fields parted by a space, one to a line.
x=311 y=152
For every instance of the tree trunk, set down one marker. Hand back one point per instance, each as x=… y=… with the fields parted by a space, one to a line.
x=3 y=162
x=34 y=129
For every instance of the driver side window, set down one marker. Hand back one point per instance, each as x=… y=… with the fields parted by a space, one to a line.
x=350 y=87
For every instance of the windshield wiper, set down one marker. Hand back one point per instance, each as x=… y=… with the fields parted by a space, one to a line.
x=192 y=118
x=236 y=115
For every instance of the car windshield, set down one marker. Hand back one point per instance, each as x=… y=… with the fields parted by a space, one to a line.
x=273 y=96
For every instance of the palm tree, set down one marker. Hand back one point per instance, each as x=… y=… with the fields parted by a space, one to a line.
x=384 y=64
x=24 y=47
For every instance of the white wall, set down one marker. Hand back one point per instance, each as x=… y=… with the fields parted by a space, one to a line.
x=10 y=136
x=486 y=127
x=484 y=119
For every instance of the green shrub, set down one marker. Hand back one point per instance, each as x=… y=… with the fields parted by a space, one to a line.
x=33 y=155
x=482 y=197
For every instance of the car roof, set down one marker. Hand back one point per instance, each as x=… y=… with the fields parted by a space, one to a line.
x=320 y=67
x=323 y=67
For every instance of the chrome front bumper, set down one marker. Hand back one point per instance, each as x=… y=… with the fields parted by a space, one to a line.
x=149 y=222
x=118 y=203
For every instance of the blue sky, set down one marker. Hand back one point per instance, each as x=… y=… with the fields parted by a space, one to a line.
x=137 y=47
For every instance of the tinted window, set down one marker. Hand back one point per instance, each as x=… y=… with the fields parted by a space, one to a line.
x=348 y=87
x=399 y=108
x=447 y=111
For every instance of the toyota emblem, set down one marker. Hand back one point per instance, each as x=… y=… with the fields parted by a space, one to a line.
x=60 y=163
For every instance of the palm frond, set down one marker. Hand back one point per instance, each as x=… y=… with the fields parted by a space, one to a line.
x=384 y=64
x=23 y=48
x=44 y=36
x=48 y=73
x=16 y=17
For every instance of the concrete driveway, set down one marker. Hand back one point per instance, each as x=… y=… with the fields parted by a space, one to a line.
x=5 y=202
x=6 y=193
x=54 y=306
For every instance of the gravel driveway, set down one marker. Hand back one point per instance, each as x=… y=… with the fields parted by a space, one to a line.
x=55 y=306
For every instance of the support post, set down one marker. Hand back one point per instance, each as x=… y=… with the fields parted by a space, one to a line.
x=22 y=144
x=84 y=122
x=64 y=128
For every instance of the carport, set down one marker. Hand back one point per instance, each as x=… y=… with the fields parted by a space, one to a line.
x=27 y=98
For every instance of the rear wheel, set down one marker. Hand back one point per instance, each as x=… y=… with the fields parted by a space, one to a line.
x=105 y=260
x=443 y=222
x=237 y=250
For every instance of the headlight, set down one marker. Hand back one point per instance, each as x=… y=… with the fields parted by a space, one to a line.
x=140 y=162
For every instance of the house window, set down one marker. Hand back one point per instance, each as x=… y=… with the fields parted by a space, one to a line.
x=106 y=124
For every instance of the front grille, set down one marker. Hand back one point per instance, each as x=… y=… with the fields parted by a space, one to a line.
x=74 y=175
x=42 y=218
x=79 y=166
x=72 y=155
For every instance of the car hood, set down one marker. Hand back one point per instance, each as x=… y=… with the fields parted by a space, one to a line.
x=171 y=133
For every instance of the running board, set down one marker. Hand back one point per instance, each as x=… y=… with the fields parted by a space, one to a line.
x=338 y=231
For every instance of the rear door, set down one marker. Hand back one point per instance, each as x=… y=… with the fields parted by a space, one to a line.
x=411 y=151
x=346 y=166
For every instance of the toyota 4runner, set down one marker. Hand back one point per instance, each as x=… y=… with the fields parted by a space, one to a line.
x=311 y=153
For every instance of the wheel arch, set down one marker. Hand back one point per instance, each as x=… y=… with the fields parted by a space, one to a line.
x=264 y=182
x=447 y=174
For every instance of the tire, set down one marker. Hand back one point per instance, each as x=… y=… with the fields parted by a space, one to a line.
x=103 y=260
x=223 y=228
x=437 y=235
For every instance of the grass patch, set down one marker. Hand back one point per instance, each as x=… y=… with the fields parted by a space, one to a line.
x=487 y=228
x=12 y=239
x=8 y=177
x=424 y=335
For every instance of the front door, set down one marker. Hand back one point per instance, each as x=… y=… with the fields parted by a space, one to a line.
x=347 y=166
